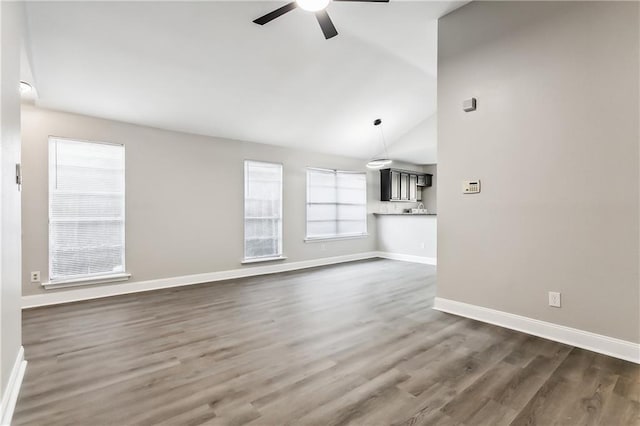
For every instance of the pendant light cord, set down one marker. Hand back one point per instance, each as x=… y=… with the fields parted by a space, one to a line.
x=384 y=143
x=378 y=162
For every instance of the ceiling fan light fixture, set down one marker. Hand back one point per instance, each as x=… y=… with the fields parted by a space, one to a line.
x=313 y=5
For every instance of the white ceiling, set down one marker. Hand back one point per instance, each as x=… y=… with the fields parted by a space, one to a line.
x=204 y=67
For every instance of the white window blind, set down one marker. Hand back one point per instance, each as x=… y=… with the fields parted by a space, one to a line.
x=86 y=209
x=336 y=203
x=262 y=210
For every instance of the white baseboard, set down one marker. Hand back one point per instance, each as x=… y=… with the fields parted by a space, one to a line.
x=408 y=258
x=617 y=348
x=55 y=297
x=10 y=394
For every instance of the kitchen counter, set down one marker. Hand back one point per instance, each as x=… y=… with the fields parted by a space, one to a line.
x=405 y=214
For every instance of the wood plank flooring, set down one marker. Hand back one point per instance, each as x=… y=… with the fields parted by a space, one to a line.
x=354 y=343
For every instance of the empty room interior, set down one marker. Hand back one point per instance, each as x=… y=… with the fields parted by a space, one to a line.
x=321 y=212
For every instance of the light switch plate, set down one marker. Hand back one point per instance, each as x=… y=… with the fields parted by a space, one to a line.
x=471 y=186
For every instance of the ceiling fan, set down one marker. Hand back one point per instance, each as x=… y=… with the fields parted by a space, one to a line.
x=316 y=6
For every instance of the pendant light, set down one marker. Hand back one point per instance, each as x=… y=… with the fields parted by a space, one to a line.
x=378 y=163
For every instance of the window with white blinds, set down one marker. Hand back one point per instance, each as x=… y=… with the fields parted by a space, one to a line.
x=262 y=210
x=86 y=209
x=336 y=204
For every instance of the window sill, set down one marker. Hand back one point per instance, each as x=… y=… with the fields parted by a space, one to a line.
x=345 y=237
x=262 y=259
x=98 y=279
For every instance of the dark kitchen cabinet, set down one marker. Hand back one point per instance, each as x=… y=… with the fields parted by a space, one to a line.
x=394 y=181
x=424 y=180
x=413 y=187
x=402 y=185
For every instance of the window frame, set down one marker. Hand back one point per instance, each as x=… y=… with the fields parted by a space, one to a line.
x=280 y=255
x=85 y=279
x=365 y=234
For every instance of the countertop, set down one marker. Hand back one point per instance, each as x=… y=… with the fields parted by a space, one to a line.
x=405 y=214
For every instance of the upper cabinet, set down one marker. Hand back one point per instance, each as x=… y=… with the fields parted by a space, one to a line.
x=393 y=185
x=402 y=185
x=413 y=187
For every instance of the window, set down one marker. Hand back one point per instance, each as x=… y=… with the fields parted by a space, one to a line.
x=86 y=210
x=262 y=211
x=336 y=204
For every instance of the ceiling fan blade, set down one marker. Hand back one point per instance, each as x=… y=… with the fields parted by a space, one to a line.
x=327 y=26
x=276 y=13
x=367 y=1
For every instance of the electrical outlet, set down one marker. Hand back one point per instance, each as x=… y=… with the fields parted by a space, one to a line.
x=35 y=276
x=323 y=247
x=421 y=245
x=554 y=299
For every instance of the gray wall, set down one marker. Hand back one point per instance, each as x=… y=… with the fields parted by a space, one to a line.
x=555 y=143
x=430 y=194
x=11 y=20
x=184 y=197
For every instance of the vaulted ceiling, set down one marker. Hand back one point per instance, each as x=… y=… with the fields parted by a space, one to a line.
x=205 y=68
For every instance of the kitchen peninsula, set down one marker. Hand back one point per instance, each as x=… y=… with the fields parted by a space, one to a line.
x=412 y=236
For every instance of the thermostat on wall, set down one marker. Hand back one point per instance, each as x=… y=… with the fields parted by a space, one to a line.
x=470 y=186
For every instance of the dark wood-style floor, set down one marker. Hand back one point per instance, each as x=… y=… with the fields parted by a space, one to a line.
x=354 y=343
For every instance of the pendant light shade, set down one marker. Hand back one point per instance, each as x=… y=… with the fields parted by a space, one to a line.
x=378 y=163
